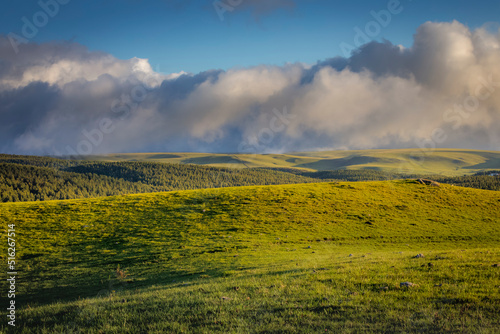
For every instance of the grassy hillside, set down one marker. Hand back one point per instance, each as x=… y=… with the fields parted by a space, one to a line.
x=449 y=162
x=31 y=178
x=273 y=259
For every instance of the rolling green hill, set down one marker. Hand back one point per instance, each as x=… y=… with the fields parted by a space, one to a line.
x=32 y=178
x=449 y=162
x=327 y=257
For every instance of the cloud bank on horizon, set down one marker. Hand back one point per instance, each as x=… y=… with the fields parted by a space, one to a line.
x=61 y=99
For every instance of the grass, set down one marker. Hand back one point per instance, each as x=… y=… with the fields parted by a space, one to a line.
x=449 y=162
x=271 y=259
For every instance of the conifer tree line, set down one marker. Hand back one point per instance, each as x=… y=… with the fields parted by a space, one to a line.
x=27 y=178
x=480 y=180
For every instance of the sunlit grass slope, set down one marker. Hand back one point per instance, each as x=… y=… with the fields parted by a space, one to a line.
x=448 y=162
x=272 y=259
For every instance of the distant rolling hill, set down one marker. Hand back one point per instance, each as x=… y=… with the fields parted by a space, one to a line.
x=449 y=162
x=31 y=178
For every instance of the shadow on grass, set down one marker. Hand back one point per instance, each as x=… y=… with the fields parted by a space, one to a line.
x=102 y=286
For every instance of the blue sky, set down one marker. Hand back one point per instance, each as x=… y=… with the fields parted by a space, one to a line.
x=189 y=36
